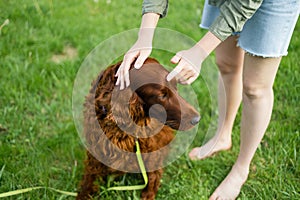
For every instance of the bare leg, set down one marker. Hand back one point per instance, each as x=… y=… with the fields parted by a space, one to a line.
x=258 y=78
x=229 y=59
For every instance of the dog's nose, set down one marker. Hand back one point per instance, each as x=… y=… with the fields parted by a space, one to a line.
x=195 y=120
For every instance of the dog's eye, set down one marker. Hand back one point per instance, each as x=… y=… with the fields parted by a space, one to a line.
x=162 y=96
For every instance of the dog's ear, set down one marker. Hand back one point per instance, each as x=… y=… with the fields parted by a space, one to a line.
x=126 y=107
x=136 y=107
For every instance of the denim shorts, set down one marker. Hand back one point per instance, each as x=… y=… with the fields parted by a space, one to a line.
x=268 y=32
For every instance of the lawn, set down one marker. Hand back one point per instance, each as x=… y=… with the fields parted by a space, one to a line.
x=42 y=49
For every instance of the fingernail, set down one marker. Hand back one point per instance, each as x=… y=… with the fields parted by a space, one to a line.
x=175 y=59
x=168 y=79
x=137 y=65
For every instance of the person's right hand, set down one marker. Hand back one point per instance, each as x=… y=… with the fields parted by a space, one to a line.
x=140 y=51
x=188 y=65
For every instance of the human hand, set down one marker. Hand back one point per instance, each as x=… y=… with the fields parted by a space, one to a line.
x=140 y=51
x=189 y=65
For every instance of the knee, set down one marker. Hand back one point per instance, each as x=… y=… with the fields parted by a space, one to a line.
x=228 y=66
x=254 y=91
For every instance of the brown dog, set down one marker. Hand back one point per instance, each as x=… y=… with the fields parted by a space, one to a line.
x=150 y=109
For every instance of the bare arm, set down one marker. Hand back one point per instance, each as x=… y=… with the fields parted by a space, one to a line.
x=140 y=50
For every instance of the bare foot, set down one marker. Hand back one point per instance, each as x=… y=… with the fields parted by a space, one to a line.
x=231 y=186
x=214 y=145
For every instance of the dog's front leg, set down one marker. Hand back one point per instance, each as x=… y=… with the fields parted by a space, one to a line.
x=153 y=184
x=87 y=187
x=93 y=171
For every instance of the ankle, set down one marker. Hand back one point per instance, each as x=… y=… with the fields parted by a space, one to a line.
x=242 y=170
x=224 y=135
x=225 y=128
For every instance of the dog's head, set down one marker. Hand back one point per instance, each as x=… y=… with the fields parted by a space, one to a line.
x=150 y=95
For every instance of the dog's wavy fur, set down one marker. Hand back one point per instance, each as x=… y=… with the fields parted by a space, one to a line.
x=104 y=119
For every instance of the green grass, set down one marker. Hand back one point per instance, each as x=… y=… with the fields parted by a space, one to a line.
x=39 y=145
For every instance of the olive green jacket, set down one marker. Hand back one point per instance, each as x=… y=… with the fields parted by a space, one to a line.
x=233 y=14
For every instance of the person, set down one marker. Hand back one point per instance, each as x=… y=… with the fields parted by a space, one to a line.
x=249 y=38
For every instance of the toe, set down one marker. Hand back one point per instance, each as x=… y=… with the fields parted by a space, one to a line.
x=214 y=196
x=194 y=153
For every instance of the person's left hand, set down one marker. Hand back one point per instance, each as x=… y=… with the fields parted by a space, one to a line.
x=189 y=65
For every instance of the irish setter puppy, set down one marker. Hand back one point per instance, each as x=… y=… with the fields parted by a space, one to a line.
x=149 y=109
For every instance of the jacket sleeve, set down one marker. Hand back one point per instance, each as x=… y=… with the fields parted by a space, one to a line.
x=155 y=6
x=233 y=16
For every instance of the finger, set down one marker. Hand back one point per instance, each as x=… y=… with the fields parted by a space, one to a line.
x=125 y=73
x=185 y=76
x=118 y=74
x=180 y=81
x=183 y=79
x=118 y=71
x=174 y=72
x=189 y=73
x=127 y=81
x=124 y=68
x=175 y=59
x=121 y=82
x=191 y=80
x=185 y=73
x=118 y=81
x=121 y=66
x=140 y=60
x=188 y=81
x=195 y=69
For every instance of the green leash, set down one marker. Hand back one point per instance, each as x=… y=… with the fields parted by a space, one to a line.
x=134 y=187
x=21 y=191
x=143 y=170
